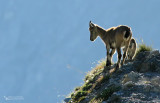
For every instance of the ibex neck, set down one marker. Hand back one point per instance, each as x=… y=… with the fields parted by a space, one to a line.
x=101 y=32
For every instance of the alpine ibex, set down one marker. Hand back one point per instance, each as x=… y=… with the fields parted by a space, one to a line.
x=114 y=38
x=131 y=49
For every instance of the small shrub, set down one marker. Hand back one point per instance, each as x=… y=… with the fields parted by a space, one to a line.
x=77 y=88
x=72 y=95
x=143 y=47
x=79 y=94
x=107 y=92
x=86 y=87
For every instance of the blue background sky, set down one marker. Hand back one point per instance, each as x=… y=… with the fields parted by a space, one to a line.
x=45 y=49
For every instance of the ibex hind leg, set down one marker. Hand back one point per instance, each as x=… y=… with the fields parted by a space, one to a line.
x=111 y=54
x=125 y=54
x=119 y=58
x=108 y=62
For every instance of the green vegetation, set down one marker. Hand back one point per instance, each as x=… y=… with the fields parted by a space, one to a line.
x=107 y=92
x=80 y=94
x=92 y=75
x=105 y=78
x=81 y=99
x=143 y=47
x=77 y=88
x=96 y=101
x=91 y=80
x=86 y=87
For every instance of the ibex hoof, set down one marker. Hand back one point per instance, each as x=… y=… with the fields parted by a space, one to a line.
x=117 y=66
x=121 y=63
x=108 y=64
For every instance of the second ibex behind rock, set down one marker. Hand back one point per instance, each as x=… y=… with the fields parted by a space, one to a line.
x=114 y=38
x=132 y=49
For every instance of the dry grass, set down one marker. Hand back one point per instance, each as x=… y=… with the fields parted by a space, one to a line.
x=143 y=47
x=95 y=71
x=100 y=64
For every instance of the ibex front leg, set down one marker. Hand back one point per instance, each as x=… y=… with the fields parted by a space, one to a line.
x=119 y=58
x=108 y=62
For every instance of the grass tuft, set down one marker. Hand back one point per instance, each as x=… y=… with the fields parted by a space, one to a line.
x=143 y=47
x=101 y=64
x=91 y=76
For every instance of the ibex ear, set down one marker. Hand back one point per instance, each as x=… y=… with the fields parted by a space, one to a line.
x=91 y=24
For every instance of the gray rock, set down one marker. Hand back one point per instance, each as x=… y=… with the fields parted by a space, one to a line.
x=132 y=76
x=148 y=88
x=147 y=61
x=128 y=85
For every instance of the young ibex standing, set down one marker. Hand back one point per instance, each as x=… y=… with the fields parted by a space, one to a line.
x=131 y=49
x=114 y=38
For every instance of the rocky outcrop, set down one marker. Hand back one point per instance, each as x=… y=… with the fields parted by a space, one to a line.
x=137 y=81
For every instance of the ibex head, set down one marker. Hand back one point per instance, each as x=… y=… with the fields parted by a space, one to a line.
x=93 y=31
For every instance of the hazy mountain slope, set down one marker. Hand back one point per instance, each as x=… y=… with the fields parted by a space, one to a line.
x=45 y=43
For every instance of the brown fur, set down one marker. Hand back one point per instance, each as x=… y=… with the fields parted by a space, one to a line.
x=114 y=38
x=132 y=49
